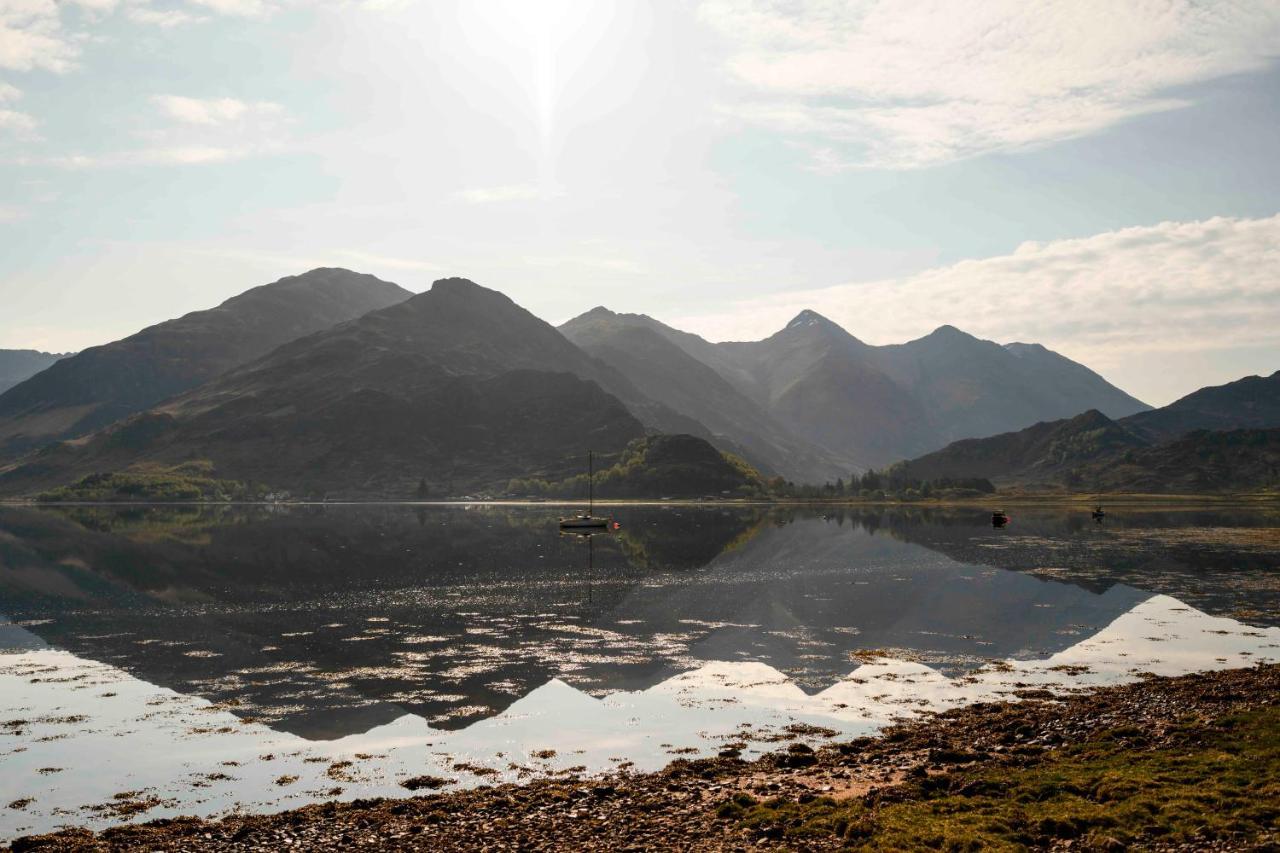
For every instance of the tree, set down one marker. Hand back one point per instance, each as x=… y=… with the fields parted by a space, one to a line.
x=423 y=491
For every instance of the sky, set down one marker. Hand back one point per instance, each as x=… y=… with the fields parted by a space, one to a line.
x=1102 y=178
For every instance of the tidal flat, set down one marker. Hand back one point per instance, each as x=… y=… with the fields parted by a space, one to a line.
x=213 y=661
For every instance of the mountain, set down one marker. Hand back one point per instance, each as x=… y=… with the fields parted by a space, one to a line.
x=814 y=402
x=648 y=354
x=973 y=388
x=1043 y=453
x=1203 y=461
x=1221 y=438
x=87 y=391
x=458 y=386
x=17 y=365
x=1249 y=403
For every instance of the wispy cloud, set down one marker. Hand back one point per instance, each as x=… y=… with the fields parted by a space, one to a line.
x=1133 y=293
x=20 y=124
x=914 y=83
x=510 y=192
x=163 y=18
x=213 y=111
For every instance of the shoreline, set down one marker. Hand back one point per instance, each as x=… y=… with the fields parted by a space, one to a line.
x=1045 y=772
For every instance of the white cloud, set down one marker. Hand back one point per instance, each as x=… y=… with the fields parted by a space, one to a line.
x=9 y=93
x=913 y=83
x=18 y=123
x=212 y=111
x=31 y=37
x=511 y=192
x=1113 y=298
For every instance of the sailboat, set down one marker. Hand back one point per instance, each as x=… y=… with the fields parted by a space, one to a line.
x=587 y=520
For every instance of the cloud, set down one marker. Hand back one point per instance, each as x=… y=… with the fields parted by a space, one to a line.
x=1136 y=293
x=31 y=37
x=511 y=192
x=9 y=214
x=913 y=83
x=212 y=111
x=18 y=123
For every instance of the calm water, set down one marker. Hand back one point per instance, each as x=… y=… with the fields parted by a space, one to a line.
x=167 y=661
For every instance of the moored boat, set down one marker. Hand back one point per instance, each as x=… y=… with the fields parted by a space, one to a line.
x=587 y=520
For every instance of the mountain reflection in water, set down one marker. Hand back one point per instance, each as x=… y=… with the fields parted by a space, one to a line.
x=416 y=640
x=325 y=621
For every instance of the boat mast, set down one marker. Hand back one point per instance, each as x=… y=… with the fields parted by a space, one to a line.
x=591 y=483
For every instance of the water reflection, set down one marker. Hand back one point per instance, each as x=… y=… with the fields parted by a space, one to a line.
x=333 y=631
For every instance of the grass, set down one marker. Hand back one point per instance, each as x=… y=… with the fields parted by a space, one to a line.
x=1203 y=783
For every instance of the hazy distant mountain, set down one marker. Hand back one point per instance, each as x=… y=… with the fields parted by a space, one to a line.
x=646 y=352
x=17 y=365
x=971 y=387
x=851 y=404
x=1249 y=403
x=458 y=385
x=102 y=384
x=1220 y=438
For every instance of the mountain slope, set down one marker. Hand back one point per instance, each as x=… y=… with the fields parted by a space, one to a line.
x=102 y=384
x=1045 y=452
x=634 y=346
x=457 y=385
x=1169 y=449
x=1249 y=403
x=18 y=365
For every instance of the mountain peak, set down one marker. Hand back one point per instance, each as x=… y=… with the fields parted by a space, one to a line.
x=808 y=317
x=455 y=284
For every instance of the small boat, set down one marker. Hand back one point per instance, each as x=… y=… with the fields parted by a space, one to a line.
x=999 y=519
x=587 y=520
x=1099 y=513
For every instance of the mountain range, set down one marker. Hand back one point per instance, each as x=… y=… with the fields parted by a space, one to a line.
x=812 y=398
x=332 y=382
x=1221 y=438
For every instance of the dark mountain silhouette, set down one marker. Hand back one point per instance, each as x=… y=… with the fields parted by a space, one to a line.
x=1221 y=438
x=18 y=365
x=847 y=402
x=458 y=386
x=102 y=384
